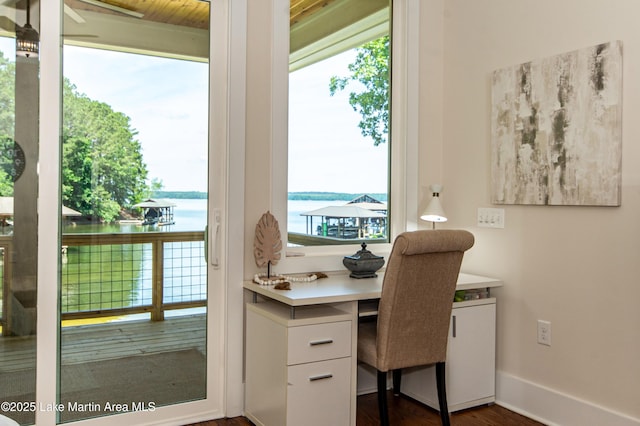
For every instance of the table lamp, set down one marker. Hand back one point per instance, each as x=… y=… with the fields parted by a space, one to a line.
x=434 y=212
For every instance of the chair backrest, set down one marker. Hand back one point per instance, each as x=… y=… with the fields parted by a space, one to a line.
x=417 y=297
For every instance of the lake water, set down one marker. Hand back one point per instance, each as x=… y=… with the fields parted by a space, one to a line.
x=191 y=215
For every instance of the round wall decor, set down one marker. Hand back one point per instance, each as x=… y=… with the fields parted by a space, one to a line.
x=12 y=158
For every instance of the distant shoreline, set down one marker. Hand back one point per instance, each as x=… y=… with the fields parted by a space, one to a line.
x=311 y=196
x=182 y=195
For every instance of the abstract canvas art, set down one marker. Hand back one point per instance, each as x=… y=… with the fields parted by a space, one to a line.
x=556 y=129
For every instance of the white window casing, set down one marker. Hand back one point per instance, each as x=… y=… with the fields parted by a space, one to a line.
x=403 y=197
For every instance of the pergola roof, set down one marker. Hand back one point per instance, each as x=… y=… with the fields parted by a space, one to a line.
x=6 y=208
x=368 y=202
x=155 y=204
x=343 y=211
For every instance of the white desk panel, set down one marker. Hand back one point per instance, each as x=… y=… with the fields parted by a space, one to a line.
x=341 y=288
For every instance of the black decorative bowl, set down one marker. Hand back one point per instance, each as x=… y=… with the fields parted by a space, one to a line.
x=363 y=264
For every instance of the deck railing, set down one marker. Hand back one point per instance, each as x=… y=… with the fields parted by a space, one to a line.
x=122 y=274
x=116 y=274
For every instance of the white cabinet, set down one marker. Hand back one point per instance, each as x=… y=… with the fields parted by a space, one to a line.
x=470 y=366
x=298 y=370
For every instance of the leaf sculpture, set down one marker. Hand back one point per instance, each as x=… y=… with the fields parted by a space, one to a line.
x=267 y=243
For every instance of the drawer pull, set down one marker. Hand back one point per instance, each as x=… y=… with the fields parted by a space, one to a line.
x=320 y=342
x=321 y=377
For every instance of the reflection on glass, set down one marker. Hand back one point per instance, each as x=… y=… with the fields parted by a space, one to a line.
x=134 y=174
x=18 y=224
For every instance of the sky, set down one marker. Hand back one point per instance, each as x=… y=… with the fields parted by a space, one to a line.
x=324 y=138
x=166 y=100
x=167 y=103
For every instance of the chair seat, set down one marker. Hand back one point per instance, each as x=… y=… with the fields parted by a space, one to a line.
x=367 y=344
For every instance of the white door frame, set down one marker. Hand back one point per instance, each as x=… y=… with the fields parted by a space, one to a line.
x=226 y=182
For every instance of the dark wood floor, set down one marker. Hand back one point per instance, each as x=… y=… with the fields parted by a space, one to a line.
x=406 y=412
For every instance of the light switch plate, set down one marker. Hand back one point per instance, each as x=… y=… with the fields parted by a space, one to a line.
x=490 y=217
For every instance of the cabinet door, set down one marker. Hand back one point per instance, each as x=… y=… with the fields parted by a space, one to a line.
x=471 y=354
x=470 y=371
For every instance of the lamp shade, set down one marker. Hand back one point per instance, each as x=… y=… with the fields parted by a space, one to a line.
x=27 y=42
x=27 y=38
x=434 y=211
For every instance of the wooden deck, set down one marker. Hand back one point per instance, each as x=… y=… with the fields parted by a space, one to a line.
x=113 y=340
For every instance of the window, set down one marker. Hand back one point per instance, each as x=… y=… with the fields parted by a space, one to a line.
x=339 y=145
x=403 y=189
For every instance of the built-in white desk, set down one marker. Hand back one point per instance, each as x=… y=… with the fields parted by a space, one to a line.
x=301 y=351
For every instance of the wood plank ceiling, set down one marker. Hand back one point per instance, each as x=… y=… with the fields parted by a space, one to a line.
x=188 y=13
x=301 y=9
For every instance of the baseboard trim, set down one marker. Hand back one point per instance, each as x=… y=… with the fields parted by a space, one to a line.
x=551 y=407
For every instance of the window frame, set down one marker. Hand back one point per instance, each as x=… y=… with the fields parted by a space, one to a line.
x=403 y=196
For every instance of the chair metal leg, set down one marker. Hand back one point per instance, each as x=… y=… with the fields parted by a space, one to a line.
x=382 y=398
x=397 y=377
x=442 y=393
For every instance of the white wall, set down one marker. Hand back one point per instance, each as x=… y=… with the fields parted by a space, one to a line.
x=259 y=141
x=578 y=267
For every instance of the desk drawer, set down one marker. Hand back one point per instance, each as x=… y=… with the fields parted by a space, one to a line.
x=319 y=393
x=317 y=342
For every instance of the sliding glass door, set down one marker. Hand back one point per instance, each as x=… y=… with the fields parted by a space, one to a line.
x=112 y=298
x=134 y=174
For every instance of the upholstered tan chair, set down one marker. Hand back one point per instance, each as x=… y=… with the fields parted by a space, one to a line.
x=415 y=306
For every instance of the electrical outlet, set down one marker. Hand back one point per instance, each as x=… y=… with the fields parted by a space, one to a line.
x=544 y=332
x=490 y=218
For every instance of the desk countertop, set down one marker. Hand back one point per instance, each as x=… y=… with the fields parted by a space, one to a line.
x=341 y=288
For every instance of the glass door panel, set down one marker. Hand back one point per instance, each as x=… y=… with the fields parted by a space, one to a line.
x=19 y=85
x=133 y=282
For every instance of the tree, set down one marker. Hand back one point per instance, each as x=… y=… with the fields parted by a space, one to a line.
x=7 y=169
x=103 y=170
x=102 y=166
x=155 y=186
x=371 y=70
